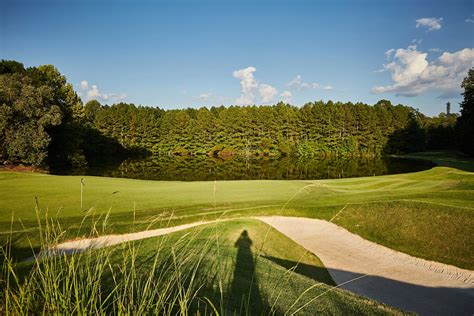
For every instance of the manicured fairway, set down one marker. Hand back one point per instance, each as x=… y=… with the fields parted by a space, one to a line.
x=428 y=214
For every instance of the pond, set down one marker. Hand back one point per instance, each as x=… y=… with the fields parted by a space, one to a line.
x=203 y=168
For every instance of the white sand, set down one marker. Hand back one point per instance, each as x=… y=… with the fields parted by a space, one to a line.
x=380 y=273
x=355 y=264
x=110 y=240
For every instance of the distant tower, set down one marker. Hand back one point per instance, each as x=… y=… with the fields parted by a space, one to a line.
x=448 y=108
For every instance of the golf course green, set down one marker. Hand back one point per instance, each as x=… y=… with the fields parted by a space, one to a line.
x=428 y=214
x=425 y=214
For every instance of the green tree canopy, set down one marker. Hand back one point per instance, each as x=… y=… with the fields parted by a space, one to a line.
x=91 y=109
x=465 y=124
x=27 y=112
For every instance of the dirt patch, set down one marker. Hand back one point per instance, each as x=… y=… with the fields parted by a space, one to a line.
x=22 y=168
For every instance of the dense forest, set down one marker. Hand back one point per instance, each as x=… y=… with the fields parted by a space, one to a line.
x=315 y=129
x=44 y=122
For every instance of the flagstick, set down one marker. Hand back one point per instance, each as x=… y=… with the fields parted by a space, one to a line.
x=215 y=182
x=81 y=192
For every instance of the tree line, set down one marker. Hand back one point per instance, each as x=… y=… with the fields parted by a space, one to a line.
x=315 y=129
x=43 y=122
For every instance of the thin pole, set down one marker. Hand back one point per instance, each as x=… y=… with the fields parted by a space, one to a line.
x=215 y=182
x=82 y=183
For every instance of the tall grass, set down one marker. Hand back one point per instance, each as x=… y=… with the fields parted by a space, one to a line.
x=103 y=281
x=197 y=271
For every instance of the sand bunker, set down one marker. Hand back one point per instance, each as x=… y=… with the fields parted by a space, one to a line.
x=355 y=264
x=80 y=245
x=380 y=273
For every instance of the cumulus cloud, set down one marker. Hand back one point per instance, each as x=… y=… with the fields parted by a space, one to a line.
x=389 y=53
x=286 y=96
x=267 y=92
x=252 y=90
x=248 y=84
x=412 y=74
x=431 y=24
x=298 y=84
x=93 y=92
x=84 y=85
x=249 y=87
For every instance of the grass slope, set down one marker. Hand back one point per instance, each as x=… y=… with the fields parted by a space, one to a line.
x=445 y=158
x=427 y=214
x=239 y=266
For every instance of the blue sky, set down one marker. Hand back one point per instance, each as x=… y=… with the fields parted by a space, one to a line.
x=175 y=54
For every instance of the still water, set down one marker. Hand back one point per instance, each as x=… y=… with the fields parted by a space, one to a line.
x=203 y=168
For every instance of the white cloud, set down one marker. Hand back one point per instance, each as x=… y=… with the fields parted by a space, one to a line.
x=93 y=92
x=116 y=97
x=431 y=24
x=210 y=98
x=205 y=96
x=84 y=85
x=298 y=84
x=389 y=53
x=286 y=96
x=267 y=92
x=252 y=90
x=413 y=75
x=469 y=20
x=435 y=50
x=248 y=84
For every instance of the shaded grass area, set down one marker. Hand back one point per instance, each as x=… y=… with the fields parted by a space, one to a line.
x=446 y=158
x=231 y=267
x=426 y=214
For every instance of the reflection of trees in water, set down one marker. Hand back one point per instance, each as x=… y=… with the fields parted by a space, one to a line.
x=244 y=295
x=240 y=168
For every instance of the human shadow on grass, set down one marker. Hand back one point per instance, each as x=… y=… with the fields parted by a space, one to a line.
x=244 y=291
x=316 y=273
x=243 y=295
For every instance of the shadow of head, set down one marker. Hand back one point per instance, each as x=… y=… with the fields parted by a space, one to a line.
x=243 y=241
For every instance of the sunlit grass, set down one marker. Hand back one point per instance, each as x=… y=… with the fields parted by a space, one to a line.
x=207 y=269
x=430 y=199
